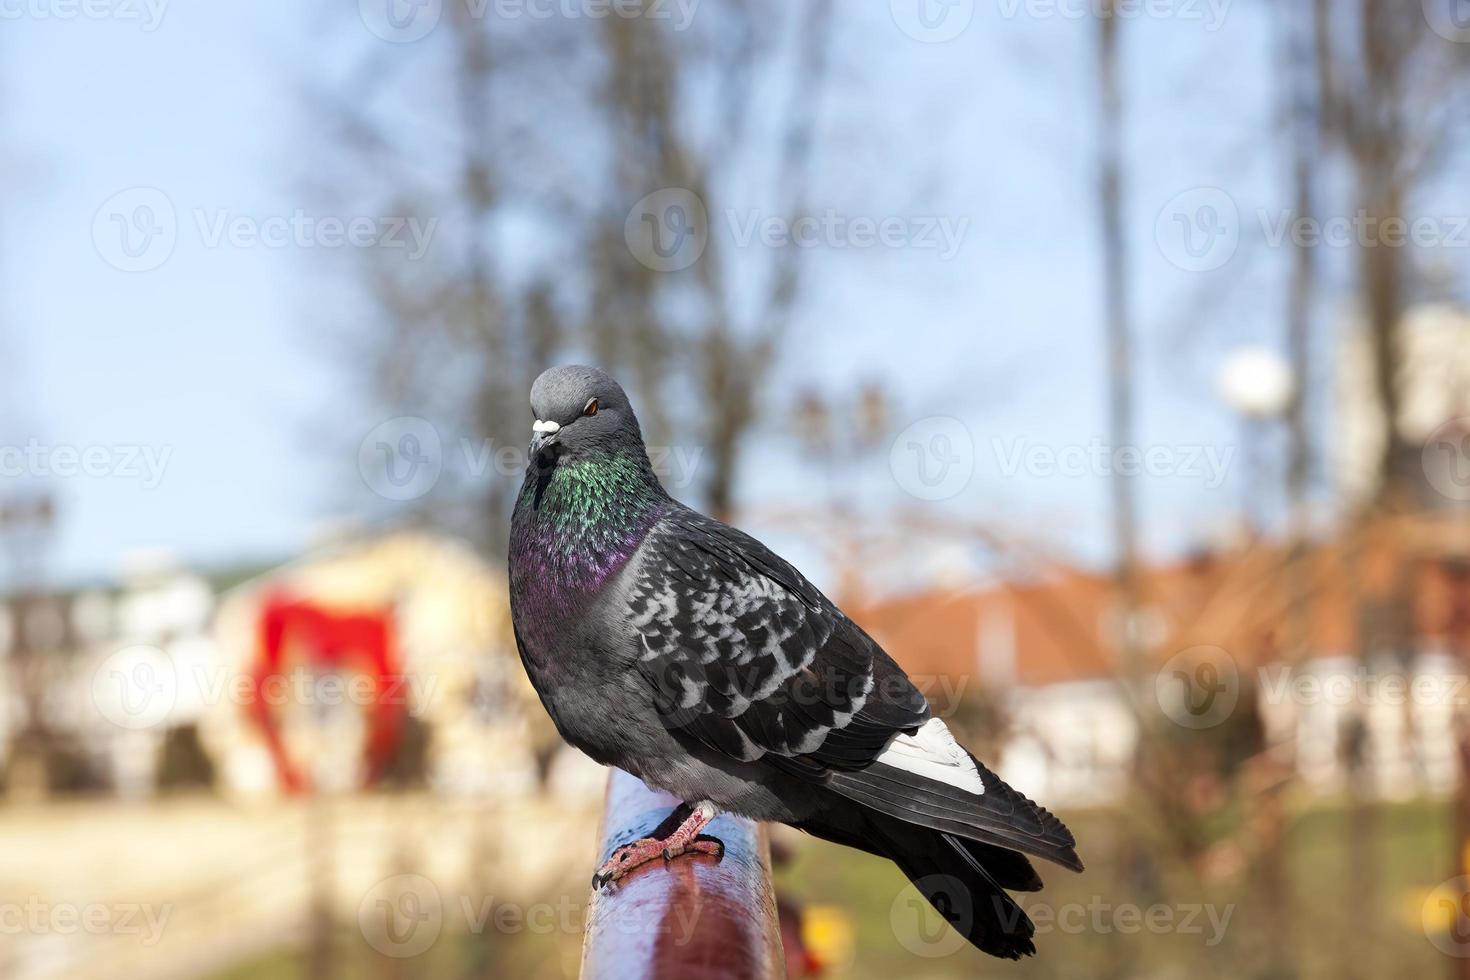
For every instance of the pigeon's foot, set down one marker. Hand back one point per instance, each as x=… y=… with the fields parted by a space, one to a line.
x=686 y=839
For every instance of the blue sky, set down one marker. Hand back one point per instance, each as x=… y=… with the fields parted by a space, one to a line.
x=217 y=358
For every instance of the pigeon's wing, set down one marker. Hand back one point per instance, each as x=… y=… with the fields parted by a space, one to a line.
x=747 y=657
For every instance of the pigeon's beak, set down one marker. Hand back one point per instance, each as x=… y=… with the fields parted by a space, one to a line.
x=543 y=434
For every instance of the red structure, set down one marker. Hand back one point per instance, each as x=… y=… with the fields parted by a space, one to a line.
x=355 y=644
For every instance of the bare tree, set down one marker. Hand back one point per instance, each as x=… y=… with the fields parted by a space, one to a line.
x=1118 y=322
x=1389 y=89
x=728 y=343
x=1388 y=86
x=1300 y=107
x=552 y=133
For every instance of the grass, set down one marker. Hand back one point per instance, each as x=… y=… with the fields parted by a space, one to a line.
x=1128 y=916
x=1131 y=916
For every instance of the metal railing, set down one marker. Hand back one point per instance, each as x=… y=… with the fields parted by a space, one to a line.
x=694 y=916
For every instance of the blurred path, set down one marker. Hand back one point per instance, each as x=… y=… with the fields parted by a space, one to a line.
x=171 y=889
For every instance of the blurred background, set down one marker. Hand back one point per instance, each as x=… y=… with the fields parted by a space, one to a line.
x=1108 y=360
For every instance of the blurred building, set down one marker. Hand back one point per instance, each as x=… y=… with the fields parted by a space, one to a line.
x=371 y=660
x=1044 y=652
x=62 y=652
x=1434 y=382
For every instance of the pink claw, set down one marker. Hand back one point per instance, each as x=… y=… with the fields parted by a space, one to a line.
x=687 y=839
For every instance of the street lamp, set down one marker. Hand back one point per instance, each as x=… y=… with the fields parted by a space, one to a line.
x=1258 y=385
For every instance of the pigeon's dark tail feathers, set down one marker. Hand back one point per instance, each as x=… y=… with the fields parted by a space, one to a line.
x=963 y=880
x=998 y=816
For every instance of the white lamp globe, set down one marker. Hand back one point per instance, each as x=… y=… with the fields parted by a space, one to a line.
x=1256 y=382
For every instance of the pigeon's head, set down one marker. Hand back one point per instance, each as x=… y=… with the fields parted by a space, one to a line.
x=578 y=409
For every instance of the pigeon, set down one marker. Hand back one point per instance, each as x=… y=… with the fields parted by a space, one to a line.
x=682 y=650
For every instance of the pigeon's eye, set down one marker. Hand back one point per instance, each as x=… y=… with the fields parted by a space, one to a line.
x=590 y=409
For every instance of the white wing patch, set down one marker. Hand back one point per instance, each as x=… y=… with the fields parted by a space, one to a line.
x=932 y=753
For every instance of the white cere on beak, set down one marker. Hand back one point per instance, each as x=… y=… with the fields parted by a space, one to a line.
x=541 y=426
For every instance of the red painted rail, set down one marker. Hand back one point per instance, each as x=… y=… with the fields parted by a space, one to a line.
x=692 y=917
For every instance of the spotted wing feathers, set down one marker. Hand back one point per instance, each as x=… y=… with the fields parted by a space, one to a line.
x=747 y=656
